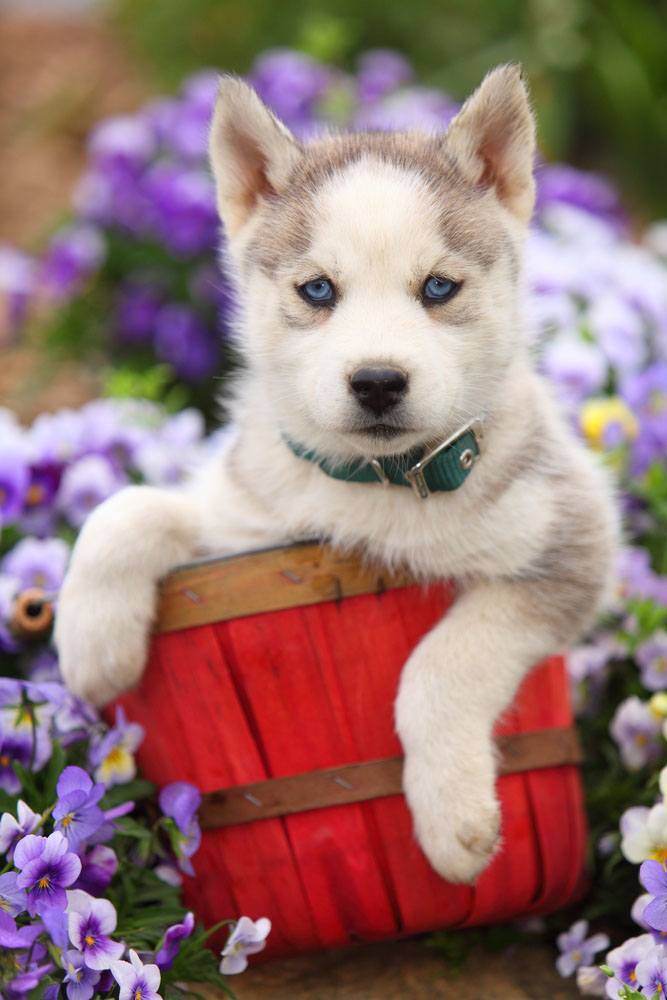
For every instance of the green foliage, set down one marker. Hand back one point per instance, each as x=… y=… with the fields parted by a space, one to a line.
x=597 y=69
x=145 y=904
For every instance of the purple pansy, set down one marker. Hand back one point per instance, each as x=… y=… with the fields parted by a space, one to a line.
x=137 y=308
x=577 y=368
x=12 y=936
x=46 y=868
x=21 y=746
x=185 y=217
x=577 y=949
x=651 y=972
x=17 y=282
x=56 y=923
x=412 y=108
x=90 y=922
x=124 y=142
x=37 y=562
x=31 y=965
x=247 y=938
x=380 y=72
x=559 y=182
x=619 y=330
x=85 y=484
x=291 y=83
x=56 y=438
x=14 y=479
x=646 y=394
x=136 y=980
x=587 y=667
x=171 y=942
x=624 y=960
x=77 y=812
x=12 y=829
x=637 y=733
x=99 y=864
x=80 y=981
x=13 y=900
x=636 y=576
x=184 y=342
x=652 y=659
x=653 y=877
x=74 y=253
x=180 y=801
x=43 y=666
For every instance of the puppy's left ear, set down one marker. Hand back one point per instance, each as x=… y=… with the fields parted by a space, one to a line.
x=252 y=153
x=492 y=140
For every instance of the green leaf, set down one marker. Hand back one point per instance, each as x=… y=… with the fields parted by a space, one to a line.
x=133 y=791
x=53 y=771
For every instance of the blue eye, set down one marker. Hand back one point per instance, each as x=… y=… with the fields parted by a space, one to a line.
x=439 y=289
x=319 y=292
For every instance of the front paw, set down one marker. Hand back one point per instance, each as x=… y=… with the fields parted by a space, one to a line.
x=456 y=818
x=102 y=634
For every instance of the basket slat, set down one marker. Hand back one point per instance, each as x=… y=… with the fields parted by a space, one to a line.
x=311 y=685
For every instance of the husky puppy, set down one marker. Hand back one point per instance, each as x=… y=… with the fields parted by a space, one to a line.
x=380 y=275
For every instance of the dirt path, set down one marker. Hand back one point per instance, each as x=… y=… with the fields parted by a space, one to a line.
x=59 y=76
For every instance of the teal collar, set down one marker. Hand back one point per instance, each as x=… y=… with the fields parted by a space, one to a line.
x=442 y=469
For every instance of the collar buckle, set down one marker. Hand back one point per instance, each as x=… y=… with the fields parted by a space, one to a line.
x=376 y=466
x=467 y=458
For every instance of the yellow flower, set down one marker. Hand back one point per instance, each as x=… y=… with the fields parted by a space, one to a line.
x=598 y=414
x=658 y=704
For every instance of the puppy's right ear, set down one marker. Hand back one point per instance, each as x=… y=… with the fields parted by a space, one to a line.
x=252 y=153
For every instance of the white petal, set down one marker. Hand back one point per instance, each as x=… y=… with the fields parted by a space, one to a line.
x=151 y=974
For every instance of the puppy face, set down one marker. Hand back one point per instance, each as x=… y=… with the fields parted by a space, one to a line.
x=379 y=272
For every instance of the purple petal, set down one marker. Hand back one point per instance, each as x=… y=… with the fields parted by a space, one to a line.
x=28 y=849
x=653 y=877
x=69 y=869
x=103 y=954
x=655 y=913
x=105 y=912
x=231 y=965
x=180 y=800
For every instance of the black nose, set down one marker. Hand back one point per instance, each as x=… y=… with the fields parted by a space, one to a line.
x=378 y=389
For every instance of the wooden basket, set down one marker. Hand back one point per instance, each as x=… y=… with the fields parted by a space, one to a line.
x=271 y=683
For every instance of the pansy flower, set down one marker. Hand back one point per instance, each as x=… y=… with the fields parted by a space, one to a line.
x=113 y=756
x=171 y=942
x=247 y=938
x=77 y=813
x=80 y=981
x=180 y=801
x=47 y=868
x=13 y=829
x=136 y=980
x=91 y=921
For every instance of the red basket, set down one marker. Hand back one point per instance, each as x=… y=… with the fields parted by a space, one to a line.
x=285 y=663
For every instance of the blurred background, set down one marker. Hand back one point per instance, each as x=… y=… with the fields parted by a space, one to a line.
x=597 y=68
x=597 y=71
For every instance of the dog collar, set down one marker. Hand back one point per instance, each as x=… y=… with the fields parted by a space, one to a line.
x=441 y=469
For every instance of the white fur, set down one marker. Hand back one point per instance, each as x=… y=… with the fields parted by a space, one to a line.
x=374 y=234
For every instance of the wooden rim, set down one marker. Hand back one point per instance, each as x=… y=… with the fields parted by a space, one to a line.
x=369 y=780
x=32 y=615
x=217 y=590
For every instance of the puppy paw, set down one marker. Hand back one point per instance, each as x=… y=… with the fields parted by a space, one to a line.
x=102 y=634
x=457 y=825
